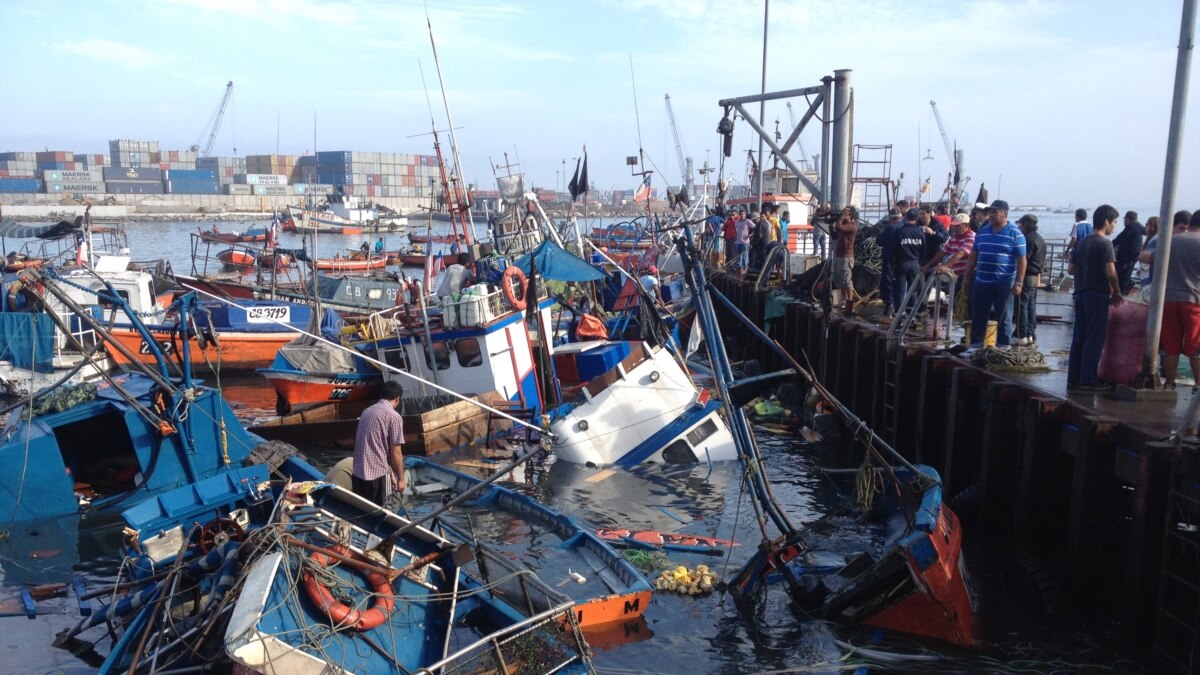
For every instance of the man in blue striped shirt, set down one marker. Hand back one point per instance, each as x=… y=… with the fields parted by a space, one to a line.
x=995 y=273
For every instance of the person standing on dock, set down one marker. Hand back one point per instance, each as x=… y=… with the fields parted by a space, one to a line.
x=1081 y=229
x=995 y=273
x=1127 y=246
x=934 y=232
x=953 y=257
x=744 y=226
x=378 y=452
x=1181 y=309
x=1179 y=225
x=729 y=230
x=1096 y=288
x=1035 y=261
x=842 y=261
x=907 y=255
x=887 y=251
x=820 y=233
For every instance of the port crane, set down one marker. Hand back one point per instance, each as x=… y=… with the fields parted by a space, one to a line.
x=957 y=184
x=214 y=123
x=685 y=163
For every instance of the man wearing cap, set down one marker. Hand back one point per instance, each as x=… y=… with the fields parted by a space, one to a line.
x=1127 y=246
x=886 y=240
x=1035 y=261
x=908 y=252
x=649 y=282
x=956 y=251
x=378 y=456
x=995 y=273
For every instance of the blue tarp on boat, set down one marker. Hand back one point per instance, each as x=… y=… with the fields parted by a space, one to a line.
x=27 y=340
x=556 y=263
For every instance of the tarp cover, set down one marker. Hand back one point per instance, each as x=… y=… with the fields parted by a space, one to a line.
x=15 y=230
x=319 y=356
x=27 y=340
x=556 y=263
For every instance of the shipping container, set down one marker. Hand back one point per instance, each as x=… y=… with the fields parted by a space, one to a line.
x=134 y=187
x=335 y=157
x=236 y=189
x=313 y=189
x=273 y=190
x=260 y=179
x=83 y=175
x=18 y=156
x=20 y=185
x=76 y=187
x=190 y=174
x=132 y=173
x=174 y=187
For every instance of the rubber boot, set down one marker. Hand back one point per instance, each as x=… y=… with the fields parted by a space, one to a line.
x=835 y=301
x=849 y=307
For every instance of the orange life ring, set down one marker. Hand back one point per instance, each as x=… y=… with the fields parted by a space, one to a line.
x=514 y=275
x=341 y=614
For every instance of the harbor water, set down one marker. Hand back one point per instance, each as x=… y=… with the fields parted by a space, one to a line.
x=678 y=634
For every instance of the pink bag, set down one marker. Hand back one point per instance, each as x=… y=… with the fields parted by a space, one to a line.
x=1121 y=360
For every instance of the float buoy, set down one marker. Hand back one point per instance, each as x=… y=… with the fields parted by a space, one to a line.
x=343 y=615
x=514 y=277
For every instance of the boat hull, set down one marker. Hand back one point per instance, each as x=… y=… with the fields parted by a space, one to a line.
x=298 y=390
x=350 y=265
x=238 y=350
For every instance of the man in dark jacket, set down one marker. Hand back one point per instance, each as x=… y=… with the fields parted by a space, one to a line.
x=908 y=253
x=934 y=231
x=887 y=248
x=1035 y=257
x=1127 y=246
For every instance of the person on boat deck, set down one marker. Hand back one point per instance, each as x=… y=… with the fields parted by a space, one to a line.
x=995 y=273
x=649 y=282
x=1128 y=245
x=1035 y=256
x=458 y=276
x=379 y=245
x=1093 y=265
x=366 y=247
x=378 y=455
x=1181 y=310
x=458 y=245
x=785 y=221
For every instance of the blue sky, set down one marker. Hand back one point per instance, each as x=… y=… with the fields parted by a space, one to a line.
x=1054 y=102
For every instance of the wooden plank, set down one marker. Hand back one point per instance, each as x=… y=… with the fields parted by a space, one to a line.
x=601 y=475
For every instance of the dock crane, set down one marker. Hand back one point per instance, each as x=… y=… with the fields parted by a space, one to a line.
x=685 y=163
x=957 y=183
x=214 y=124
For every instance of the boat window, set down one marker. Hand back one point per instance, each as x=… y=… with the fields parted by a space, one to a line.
x=696 y=436
x=395 y=358
x=679 y=452
x=101 y=469
x=441 y=352
x=107 y=304
x=469 y=353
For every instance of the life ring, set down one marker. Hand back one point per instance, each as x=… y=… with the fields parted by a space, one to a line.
x=514 y=277
x=382 y=604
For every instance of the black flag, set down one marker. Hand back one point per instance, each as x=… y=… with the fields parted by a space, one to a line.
x=573 y=186
x=583 y=181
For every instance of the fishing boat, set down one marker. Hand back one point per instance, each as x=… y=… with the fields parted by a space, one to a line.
x=654 y=540
x=912 y=578
x=415 y=238
x=343 y=214
x=307 y=577
x=417 y=259
x=235 y=257
x=157 y=434
x=254 y=234
x=349 y=264
x=611 y=590
x=240 y=338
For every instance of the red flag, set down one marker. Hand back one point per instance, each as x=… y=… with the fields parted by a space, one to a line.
x=643 y=192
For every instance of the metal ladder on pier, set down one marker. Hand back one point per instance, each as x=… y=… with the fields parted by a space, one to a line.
x=910 y=307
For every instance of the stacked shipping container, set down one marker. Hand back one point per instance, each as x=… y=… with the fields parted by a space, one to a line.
x=191 y=181
x=18 y=164
x=83 y=181
x=132 y=153
x=224 y=167
x=121 y=180
x=378 y=174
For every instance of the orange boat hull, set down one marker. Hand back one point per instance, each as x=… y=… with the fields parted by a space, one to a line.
x=612 y=608
x=239 y=351
x=350 y=265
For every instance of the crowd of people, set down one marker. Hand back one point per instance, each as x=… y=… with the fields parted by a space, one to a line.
x=745 y=236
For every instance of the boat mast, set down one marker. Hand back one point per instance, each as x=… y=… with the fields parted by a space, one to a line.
x=456 y=202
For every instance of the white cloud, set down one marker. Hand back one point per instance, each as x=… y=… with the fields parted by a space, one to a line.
x=130 y=57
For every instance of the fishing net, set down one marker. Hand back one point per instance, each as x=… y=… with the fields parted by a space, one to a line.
x=63 y=398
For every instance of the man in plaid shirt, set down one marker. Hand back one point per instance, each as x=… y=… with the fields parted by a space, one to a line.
x=378 y=459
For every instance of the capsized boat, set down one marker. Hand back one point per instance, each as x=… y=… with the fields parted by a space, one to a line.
x=307 y=577
x=605 y=586
x=915 y=581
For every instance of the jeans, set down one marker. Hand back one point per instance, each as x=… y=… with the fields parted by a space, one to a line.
x=905 y=274
x=1027 y=309
x=986 y=298
x=1087 y=339
x=741 y=255
x=887 y=285
x=819 y=240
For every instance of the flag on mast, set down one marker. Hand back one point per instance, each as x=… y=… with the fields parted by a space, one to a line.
x=643 y=192
x=579 y=185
